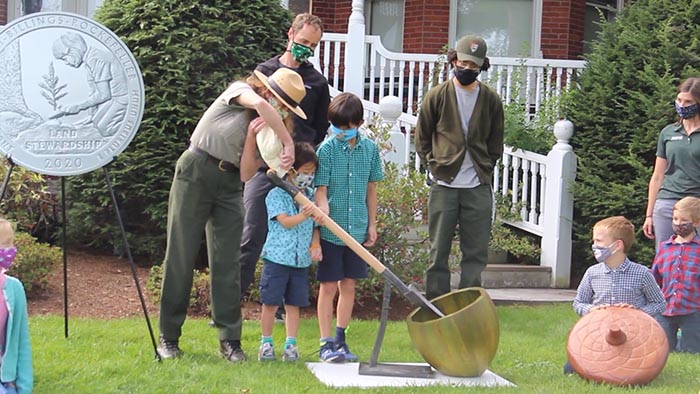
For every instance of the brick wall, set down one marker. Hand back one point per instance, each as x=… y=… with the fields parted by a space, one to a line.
x=426 y=25
x=562 y=28
x=3 y=12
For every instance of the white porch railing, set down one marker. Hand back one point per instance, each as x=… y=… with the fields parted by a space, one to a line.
x=379 y=72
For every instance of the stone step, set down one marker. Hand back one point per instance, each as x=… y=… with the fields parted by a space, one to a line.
x=497 y=276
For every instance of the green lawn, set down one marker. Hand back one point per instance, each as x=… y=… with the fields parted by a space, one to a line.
x=116 y=356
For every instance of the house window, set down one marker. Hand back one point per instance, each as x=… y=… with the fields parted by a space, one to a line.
x=297 y=6
x=507 y=26
x=596 y=10
x=384 y=18
x=18 y=8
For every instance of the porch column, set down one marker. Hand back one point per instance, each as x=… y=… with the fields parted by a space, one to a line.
x=355 y=51
x=558 y=216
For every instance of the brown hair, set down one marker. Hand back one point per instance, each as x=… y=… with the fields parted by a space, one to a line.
x=618 y=227
x=306 y=19
x=345 y=109
x=689 y=205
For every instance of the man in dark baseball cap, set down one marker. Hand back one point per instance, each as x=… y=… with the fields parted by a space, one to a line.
x=472 y=48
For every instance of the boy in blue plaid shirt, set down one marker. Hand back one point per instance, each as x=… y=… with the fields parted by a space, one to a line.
x=346 y=181
x=616 y=280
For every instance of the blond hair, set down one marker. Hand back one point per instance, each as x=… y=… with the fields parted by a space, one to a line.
x=7 y=233
x=690 y=205
x=618 y=228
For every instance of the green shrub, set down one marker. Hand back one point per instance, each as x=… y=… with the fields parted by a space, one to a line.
x=200 y=304
x=29 y=203
x=625 y=98
x=188 y=52
x=35 y=262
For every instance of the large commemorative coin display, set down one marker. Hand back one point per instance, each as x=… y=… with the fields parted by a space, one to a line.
x=71 y=94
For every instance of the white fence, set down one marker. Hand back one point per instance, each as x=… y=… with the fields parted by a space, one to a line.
x=379 y=72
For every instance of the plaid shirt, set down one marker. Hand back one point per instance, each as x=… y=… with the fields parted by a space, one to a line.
x=676 y=269
x=346 y=171
x=630 y=283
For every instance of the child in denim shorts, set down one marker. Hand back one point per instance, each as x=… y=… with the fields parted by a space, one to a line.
x=349 y=167
x=292 y=243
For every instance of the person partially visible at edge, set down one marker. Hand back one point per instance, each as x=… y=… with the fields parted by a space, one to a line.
x=615 y=279
x=292 y=244
x=677 y=168
x=676 y=269
x=459 y=138
x=205 y=199
x=303 y=37
x=16 y=372
x=349 y=167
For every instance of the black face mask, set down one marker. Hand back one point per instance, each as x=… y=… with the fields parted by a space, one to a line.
x=466 y=76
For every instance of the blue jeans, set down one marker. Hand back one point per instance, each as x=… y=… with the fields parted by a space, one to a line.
x=690 y=327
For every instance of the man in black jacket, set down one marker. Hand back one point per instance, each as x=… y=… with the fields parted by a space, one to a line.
x=304 y=36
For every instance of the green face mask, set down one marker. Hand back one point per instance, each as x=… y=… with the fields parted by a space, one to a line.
x=301 y=53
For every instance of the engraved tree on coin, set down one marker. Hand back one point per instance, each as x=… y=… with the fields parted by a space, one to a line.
x=51 y=90
x=108 y=97
x=15 y=116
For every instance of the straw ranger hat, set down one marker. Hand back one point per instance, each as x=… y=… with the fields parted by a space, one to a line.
x=287 y=86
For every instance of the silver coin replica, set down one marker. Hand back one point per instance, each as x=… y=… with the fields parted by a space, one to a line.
x=71 y=94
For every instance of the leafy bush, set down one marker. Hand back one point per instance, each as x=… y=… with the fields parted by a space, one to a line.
x=188 y=52
x=200 y=304
x=29 y=203
x=34 y=262
x=625 y=98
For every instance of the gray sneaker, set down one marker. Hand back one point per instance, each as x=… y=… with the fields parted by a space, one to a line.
x=168 y=348
x=231 y=350
x=290 y=353
x=266 y=352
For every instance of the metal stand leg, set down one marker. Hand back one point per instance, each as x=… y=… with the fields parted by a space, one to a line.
x=383 y=369
x=7 y=177
x=131 y=262
x=65 y=256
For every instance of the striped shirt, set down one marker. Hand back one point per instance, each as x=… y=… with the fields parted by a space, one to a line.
x=346 y=171
x=676 y=269
x=630 y=283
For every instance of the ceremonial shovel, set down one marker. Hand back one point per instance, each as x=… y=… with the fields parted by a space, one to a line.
x=409 y=292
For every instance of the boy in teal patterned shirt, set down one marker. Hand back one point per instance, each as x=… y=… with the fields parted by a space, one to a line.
x=349 y=168
x=292 y=243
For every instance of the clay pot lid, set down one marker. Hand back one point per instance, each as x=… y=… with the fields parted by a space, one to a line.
x=617 y=345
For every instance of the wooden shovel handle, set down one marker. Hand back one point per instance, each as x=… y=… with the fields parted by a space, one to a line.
x=351 y=243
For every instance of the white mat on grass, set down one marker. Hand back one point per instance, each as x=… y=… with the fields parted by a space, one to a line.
x=346 y=375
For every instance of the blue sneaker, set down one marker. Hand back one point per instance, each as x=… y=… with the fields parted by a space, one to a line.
x=328 y=354
x=266 y=352
x=345 y=351
x=291 y=353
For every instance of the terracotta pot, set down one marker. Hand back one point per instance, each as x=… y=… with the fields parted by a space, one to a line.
x=463 y=342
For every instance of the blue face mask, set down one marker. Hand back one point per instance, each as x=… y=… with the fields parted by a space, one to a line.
x=344 y=135
x=304 y=180
x=688 y=111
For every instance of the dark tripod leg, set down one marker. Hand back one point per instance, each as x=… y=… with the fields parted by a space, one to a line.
x=7 y=178
x=131 y=262
x=382 y=324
